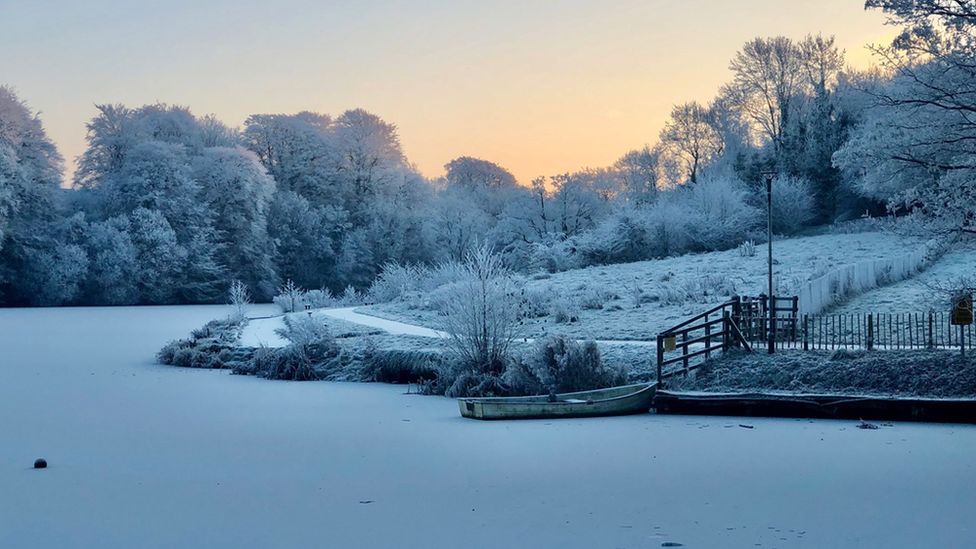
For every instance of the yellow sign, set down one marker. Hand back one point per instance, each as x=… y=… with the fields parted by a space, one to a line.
x=670 y=343
x=962 y=310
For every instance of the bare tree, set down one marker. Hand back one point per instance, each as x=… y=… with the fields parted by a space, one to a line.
x=482 y=315
x=240 y=298
x=768 y=76
x=690 y=134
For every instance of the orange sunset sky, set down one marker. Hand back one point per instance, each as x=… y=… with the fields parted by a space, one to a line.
x=540 y=87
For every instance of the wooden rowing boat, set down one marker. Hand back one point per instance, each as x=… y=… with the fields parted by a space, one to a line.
x=615 y=401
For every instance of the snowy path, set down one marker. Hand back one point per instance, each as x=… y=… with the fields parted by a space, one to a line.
x=149 y=456
x=396 y=328
x=262 y=331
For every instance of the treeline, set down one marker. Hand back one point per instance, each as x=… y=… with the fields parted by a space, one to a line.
x=169 y=207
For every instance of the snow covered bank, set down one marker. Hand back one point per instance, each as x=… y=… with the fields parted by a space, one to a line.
x=909 y=374
x=148 y=456
x=929 y=290
x=636 y=301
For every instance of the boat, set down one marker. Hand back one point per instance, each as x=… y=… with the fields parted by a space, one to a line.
x=614 y=401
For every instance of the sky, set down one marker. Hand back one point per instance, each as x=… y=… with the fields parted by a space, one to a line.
x=540 y=87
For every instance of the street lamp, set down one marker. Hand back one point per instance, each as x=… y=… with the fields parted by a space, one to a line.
x=769 y=175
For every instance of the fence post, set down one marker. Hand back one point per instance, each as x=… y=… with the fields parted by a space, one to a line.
x=806 y=329
x=962 y=340
x=764 y=317
x=737 y=309
x=660 y=357
x=870 y=331
x=708 y=340
x=684 y=350
x=726 y=330
x=931 y=342
x=796 y=314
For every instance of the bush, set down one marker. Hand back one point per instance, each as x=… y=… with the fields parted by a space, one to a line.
x=482 y=313
x=397 y=281
x=794 y=205
x=534 y=303
x=564 y=309
x=594 y=298
x=559 y=364
x=290 y=298
x=303 y=329
x=747 y=249
x=291 y=363
x=716 y=212
x=212 y=346
x=239 y=298
x=398 y=366
x=320 y=299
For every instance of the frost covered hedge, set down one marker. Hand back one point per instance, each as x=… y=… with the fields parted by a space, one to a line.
x=561 y=365
x=212 y=346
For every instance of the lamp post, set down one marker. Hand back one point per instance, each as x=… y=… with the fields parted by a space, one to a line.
x=769 y=175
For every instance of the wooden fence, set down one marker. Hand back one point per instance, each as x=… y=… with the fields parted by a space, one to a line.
x=744 y=322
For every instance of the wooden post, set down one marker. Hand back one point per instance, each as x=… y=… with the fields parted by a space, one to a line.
x=796 y=313
x=726 y=330
x=708 y=340
x=806 y=328
x=931 y=342
x=660 y=357
x=684 y=350
x=870 y=331
x=962 y=340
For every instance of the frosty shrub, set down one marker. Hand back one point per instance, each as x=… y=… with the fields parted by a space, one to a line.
x=291 y=363
x=564 y=309
x=552 y=257
x=311 y=351
x=635 y=293
x=212 y=346
x=290 y=297
x=716 y=212
x=350 y=297
x=534 y=302
x=394 y=280
x=397 y=280
x=747 y=249
x=482 y=316
x=400 y=366
x=794 y=205
x=240 y=298
x=625 y=236
x=320 y=299
x=562 y=365
x=594 y=298
x=303 y=329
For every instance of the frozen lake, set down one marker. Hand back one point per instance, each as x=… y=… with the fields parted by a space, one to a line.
x=150 y=456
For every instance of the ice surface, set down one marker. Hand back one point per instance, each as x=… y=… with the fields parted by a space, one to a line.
x=147 y=456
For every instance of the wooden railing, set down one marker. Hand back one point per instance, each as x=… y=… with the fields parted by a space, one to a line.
x=695 y=339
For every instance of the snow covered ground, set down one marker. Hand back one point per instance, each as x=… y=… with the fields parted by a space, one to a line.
x=658 y=285
x=143 y=455
x=922 y=292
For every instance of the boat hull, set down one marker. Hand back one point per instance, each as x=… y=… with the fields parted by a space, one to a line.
x=615 y=401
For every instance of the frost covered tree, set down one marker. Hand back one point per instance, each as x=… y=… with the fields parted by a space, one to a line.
x=639 y=170
x=36 y=267
x=298 y=151
x=238 y=193
x=767 y=77
x=306 y=239
x=717 y=212
x=793 y=203
x=916 y=148
x=690 y=134
x=482 y=320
